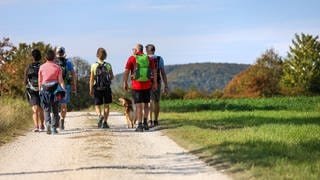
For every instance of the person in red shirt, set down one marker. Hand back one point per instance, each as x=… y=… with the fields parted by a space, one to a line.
x=140 y=66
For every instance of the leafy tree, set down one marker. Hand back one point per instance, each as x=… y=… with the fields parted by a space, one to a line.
x=12 y=72
x=302 y=66
x=260 y=79
x=81 y=99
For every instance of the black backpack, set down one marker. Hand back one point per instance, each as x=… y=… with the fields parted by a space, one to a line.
x=157 y=62
x=62 y=62
x=32 y=76
x=102 y=77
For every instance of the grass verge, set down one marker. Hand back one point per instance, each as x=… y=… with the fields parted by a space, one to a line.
x=15 y=117
x=258 y=142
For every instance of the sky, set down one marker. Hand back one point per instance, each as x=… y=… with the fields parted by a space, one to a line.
x=183 y=31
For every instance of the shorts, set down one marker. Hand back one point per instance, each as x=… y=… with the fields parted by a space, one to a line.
x=66 y=99
x=33 y=97
x=155 y=95
x=102 y=96
x=141 y=96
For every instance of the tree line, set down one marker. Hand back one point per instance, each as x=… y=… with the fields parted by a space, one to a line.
x=271 y=75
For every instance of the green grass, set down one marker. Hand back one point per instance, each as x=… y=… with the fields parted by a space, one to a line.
x=15 y=116
x=276 y=138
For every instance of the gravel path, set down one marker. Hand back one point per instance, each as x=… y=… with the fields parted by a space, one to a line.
x=84 y=152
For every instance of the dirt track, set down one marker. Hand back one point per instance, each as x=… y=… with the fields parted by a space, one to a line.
x=85 y=152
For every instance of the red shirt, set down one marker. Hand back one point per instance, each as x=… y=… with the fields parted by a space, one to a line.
x=136 y=85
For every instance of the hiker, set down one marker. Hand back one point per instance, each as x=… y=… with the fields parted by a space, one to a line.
x=155 y=95
x=70 y=79
x=100 y=81
x=51 y=91
x=140 y=66
x=32 y=90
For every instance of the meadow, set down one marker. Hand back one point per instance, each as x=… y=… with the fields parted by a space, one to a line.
x=263 y=138
x=15 y=118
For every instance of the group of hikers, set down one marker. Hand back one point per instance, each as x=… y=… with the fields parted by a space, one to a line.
x=49 y=86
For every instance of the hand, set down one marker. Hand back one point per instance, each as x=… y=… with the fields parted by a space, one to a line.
x=166 y=90
x=91 y=93
x=154 y=86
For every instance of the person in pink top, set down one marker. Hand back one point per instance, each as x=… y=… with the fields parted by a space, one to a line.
x=50 y=77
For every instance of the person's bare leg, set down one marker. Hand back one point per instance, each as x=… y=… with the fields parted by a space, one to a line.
x=106 y=112
x=151 y=110
x=145 y=111
x=40 y=117
x=63 y=111
x=35 y=116
x=98 y=110
x=63 y=116
x=139 y=112
x=156 y=110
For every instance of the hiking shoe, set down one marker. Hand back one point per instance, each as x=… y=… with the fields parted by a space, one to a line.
x=145 y=125
x=54 y=131
x=61 y=124
x=35 y=129
x=155 y=123
x=151 y=124
x=100 y=119
x=105 y=125
x=139 y=128
x=42 y=128
x=48 y=129
x=57 y=124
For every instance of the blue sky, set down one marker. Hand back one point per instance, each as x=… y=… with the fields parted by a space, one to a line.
x=184 y=31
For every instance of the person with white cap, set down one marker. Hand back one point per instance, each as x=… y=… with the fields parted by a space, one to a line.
x=70 y=79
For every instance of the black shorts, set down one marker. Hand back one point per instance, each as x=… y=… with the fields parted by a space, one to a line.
x=156 y=95
x=102 y=96
x=33 y=97
x=141 y=96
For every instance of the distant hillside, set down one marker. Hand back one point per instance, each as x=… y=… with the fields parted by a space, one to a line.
x=202 y=76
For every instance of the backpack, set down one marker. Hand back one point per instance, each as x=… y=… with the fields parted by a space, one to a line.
x=157 y=64
x=102 y=76
x=32 y=76
x=142 y=71
x=66 y=75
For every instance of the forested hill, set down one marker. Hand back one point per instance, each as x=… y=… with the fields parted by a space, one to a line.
x=201 y=76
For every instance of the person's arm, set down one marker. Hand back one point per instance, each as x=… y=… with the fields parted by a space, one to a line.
x=111 y=73
x=154 y=72
x=61 y=81
x=91 y=81
x=40 y=78
x=164 y=79
x=126 y=73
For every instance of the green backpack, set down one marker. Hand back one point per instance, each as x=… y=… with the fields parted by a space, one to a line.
x=142 y=71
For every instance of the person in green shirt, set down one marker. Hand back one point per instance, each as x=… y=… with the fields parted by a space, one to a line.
x=100 y=81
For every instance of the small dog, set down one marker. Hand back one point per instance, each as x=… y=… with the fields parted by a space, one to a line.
x=129 y=112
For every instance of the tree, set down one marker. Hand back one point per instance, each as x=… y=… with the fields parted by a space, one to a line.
x=12 y=72
x=6 y=51
x=82 y=99
x=302 y=66
x=260 y=79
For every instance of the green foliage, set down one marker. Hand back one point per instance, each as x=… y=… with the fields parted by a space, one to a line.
x=260 y=79
x=12 y=72
x=302 y=67
x=16 y=115
x=265 y=138
x=81 y=99
x=206 y=77
x=244 y=104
